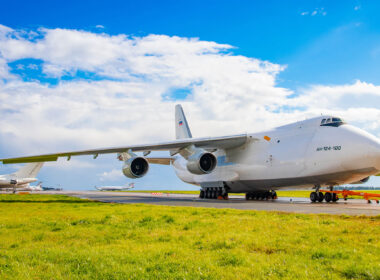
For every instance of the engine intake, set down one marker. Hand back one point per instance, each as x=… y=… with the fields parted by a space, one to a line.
x=201 y=163
x=135 y=167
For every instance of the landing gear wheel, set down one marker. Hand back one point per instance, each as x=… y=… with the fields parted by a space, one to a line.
x=320 y=197
x=335 y=197
x=313 y=196
x=328 y=197
x=207 y=194
x=202 y=194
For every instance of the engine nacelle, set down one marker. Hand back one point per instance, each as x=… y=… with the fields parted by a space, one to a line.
x=201 y=163
x=135 y=167
x=365 y=180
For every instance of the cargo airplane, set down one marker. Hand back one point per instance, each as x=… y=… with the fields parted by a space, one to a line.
x=319 y=152
x=22 y=177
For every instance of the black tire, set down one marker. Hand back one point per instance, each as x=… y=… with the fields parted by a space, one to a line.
x=202 y=194
x=247 y=196
x=313 y=196
x=220 y=192
x=321 y=196
x=335 y=197
x=328 y=197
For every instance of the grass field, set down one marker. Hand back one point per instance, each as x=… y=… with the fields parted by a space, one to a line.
x=58 y=237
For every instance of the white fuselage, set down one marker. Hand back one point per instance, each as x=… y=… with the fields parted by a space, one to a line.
x=302 y=154
x=113 y=188
x=7 y=181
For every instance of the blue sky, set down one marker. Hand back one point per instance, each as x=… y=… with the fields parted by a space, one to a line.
x=311 y=47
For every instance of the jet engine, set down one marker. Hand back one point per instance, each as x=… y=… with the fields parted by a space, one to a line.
x=365 y=180
x=201 y=163
x=135 y=167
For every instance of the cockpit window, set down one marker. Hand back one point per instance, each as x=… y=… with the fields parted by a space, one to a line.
x=335 y=122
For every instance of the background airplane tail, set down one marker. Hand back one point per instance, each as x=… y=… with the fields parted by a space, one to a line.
x=182 y=129
x=29 y=170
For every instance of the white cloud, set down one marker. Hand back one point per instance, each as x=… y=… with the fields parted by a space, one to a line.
x=99 y=26
x=128 y=106
x=72 y=164
x=113 y=175
x=127 y=103
x=356 y=8
x=317 y=11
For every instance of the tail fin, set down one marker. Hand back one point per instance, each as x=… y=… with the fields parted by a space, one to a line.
x=29 y=170
x=182 y=129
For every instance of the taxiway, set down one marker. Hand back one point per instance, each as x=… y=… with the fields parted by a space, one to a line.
x=284 y=204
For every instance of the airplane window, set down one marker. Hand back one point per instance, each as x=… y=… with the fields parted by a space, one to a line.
x=335 y=122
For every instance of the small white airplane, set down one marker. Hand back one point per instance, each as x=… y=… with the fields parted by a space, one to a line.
x=22 y=177
x=116 y=188
x=320 y=152
x=37 y=187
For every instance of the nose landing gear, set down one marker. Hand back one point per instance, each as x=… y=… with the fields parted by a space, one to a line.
x=319 y=196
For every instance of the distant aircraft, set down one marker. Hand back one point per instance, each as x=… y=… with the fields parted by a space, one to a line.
x=50 y=188
x=116 y=188
x=320 y=152
x=37 y=187
x=21 y=178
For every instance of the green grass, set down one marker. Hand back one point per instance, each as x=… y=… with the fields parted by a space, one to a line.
x=58 y=237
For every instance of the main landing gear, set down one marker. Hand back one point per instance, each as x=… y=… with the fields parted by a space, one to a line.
x=318 y=196
x=213 y=193
x=261 y=195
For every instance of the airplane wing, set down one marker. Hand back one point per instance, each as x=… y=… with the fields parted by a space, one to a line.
x=225 y=142
x=159 y=160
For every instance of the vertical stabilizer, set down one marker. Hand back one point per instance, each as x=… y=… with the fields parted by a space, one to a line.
x=30 y=170
x=182 y=129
